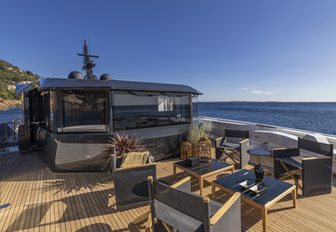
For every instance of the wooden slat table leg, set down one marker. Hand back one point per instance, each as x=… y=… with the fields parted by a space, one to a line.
x=201 y=186
x=264 y=219
x=294 y=197
x=213 y=190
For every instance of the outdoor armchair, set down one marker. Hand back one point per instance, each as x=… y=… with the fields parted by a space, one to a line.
x=116 y=161
x=184 y=211
x=233 y=145
x=130 y=184
x=311 y=162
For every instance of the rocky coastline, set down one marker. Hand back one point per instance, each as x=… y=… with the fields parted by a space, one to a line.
x=6 y=104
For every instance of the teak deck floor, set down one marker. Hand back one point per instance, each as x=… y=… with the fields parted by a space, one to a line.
x=40 y=200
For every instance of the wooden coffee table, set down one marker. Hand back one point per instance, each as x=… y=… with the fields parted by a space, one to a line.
x=204 y=170
x=275 y=190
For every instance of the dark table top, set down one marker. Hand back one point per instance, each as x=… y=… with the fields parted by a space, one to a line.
x=204 y=167
x=274 y=187
x=259 y=152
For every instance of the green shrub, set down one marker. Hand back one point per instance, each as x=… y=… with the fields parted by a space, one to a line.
x=195 y=133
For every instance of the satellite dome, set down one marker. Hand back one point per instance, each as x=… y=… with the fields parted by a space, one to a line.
x=75 y=75
x=105 y=77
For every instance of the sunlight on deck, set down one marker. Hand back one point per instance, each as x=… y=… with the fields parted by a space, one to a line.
x=42 y=200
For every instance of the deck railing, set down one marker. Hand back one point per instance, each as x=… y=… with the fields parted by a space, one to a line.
x=257 y=126
x=9 y=133
x=215 y=127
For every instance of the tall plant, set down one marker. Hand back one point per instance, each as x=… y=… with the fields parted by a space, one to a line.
x=124 y=143
x=195 y=133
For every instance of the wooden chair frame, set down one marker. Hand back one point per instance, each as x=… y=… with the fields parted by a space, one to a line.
x=240 y=157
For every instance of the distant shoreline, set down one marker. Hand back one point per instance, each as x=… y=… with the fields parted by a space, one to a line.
x=6 y=104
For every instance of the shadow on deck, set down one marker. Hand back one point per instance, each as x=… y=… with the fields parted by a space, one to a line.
x=43 y=200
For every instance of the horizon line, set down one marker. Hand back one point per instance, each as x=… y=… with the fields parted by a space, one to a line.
x=268 y=101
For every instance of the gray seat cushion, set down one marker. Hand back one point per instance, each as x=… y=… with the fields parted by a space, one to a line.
x=305 y=153
x=295 y=161
x=179 y=220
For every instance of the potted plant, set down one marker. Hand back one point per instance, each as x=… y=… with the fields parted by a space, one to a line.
x=127 y=142
x=120 y=144
x=195 y=133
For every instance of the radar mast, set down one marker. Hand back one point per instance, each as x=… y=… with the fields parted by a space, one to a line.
x=88 y=63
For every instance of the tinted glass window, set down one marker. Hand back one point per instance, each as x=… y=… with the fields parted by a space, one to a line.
x=84 y=110
x=132 y=110
x=195 y=106
x=44 y=115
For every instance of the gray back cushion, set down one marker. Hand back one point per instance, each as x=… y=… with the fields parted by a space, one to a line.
x=188 y=203
x=237 y=134
x=312 y=146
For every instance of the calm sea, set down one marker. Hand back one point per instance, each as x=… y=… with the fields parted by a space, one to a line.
x=10 y=114
x=319 y=117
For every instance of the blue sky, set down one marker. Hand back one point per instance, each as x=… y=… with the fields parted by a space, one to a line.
x=230 y=50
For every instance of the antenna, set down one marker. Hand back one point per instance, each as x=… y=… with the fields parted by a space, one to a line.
x=88 y=63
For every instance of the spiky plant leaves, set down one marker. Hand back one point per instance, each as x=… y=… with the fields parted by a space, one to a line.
x=122 y=143
x=195 y=133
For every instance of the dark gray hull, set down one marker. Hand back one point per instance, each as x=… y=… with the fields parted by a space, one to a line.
x=74 y=152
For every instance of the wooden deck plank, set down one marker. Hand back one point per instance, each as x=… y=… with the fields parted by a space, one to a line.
x=14 y=196
x=41 y=200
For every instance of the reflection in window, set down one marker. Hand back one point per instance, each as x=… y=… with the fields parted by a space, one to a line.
x=132 y=110
x=84 y=110
x=165 y=103
x=44 y=115
x=195 y=106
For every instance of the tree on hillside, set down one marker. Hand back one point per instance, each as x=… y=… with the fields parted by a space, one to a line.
x=30 y=73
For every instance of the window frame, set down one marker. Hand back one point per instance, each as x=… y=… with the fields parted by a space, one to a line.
x=61 y=128
x=159 y=93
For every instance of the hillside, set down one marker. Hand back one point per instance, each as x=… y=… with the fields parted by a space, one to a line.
x=9 y=75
